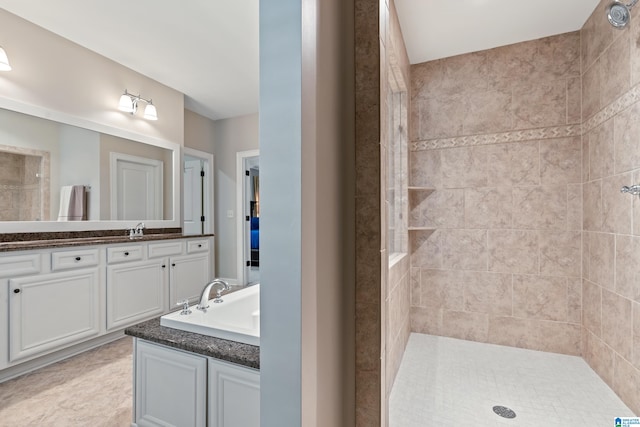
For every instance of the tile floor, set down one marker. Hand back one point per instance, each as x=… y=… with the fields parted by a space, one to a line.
x=91 y=389
x=450 y=382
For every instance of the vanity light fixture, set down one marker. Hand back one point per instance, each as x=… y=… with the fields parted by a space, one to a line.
x=129 y=104
x=4 y=61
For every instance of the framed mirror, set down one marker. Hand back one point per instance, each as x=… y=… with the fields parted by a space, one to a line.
x=59 y=173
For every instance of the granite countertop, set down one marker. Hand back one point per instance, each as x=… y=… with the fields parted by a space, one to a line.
x=9 y=246
x=230 y=351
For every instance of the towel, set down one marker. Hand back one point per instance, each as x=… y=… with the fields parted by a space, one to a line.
x=72 y=203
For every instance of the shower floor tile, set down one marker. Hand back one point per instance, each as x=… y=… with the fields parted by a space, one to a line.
x=450 y=382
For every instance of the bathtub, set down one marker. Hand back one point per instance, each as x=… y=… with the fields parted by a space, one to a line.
x=235 y=319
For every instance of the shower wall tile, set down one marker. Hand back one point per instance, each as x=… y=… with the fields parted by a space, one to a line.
x=464 y=250
x=513 y=251
x=592 y=205
x=488 y=207
x=426 y=249
x=560 y=161
x=488 y=293
x=549 y=204
x=635 y=51
x=591 y=91
x=585 y=157
x=488 y=109
x=597 y=35
x=616 y=206
x=464 y=167
x=599 y=356
x=574 y=207
x=442 y=288
x=626 y=383
x=560 y=337
x=617 y=323
x=592 y=307
x=574 y=301
x=560 y=253
x=601 y=153
x=574 y=100
x=540 y=297
x=416 y=292
x=628 y=267
x=513 y=164
x=539 y=105
x=615 y=70
x=465 y=325
x=636 y=206
x=425 y=169
x=426 y=320
x=601 y=259
x=442 y=209
x=626 y=138
x=513 y=331
x=636 y=334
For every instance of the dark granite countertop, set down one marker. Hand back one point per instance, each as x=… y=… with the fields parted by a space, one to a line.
x=93 y=240
x=230 y=351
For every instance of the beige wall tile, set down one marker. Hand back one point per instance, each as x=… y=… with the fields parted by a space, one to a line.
x=426 y=320
x=513 y=251
x=540 y=297
x=574 y=300
x=514 y=332
x=442 y=289
x=617 y=323
x=540 y=104
x=599 y=356
x=636 y=334
x=574 y=100
x=464 y=249
x=616 y=206
x=574 y=206
x=441 y=209
x=627 y=139
x=424 y=169
x=615 y=70
x=561 y=161
x=560 y=253
x=585 y=254
x=488 y=293
x=592 y=307
x=626 y=382
x=601 y=151
x=635 y=52
x=628 y=267
x=435 y=116
x=416 y=291
x=585 y=158
x=426 y=250
x=465 y=325
x=485 y=112
x=513 y=164
x=559 y=337
x=597 y=35
x=488 y=207
x=591 y=91
x=636 y=206
x=601 y=259
x=464 y=167
x=549 y=203
x=592 y=205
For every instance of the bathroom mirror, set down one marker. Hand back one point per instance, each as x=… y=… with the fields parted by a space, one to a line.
x=42 y=161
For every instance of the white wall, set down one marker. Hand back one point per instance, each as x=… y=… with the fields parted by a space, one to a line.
x=230 y=136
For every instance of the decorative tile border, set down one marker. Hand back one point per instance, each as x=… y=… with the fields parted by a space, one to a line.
x=623 y=102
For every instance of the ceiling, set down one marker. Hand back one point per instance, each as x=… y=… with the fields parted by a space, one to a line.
x=208 y=49
x=434 y=29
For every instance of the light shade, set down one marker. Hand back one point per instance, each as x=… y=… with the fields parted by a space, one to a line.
x=150 y=112
x=126 y=103
x=4 y=61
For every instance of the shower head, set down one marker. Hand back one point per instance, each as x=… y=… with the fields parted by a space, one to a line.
x=618 y=13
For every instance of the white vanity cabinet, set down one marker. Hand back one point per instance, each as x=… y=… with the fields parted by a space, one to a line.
x=170 y=387
x=177 y=388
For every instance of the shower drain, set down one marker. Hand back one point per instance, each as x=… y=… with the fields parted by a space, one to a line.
x=504 y=412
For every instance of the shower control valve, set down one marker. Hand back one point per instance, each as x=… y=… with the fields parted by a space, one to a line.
x=634 y=189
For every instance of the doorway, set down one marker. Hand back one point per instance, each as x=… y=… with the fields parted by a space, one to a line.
x=248 y=201
x=198 y=192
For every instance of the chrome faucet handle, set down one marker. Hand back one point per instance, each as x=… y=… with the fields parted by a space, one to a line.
x=634 y=189
x=218 y=298
x=185 y=307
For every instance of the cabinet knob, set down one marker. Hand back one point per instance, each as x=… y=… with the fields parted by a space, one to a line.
x=199 y=245
x=16 y=291
x=173 y=265
x=78 y=258
x=164 y=266
x=126 y=254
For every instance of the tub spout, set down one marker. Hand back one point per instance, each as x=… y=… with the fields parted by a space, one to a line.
x=204 y=297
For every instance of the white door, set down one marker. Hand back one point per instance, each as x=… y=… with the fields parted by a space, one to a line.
x=136 y=188
x=193 y=195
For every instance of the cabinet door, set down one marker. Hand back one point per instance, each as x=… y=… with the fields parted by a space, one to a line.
x=189 y=274
x=170 y=387
x=234 y=395
x=135 y=291
x=52 y=311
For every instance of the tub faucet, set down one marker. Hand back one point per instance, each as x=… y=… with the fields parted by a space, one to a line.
x=204 y=297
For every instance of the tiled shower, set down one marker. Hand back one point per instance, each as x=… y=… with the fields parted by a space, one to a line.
x=519 y=233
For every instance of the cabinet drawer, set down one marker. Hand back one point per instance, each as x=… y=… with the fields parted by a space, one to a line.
x=194 y=246
x=65 y=260
x=124 y=253
x=157 y=250
x=18 y=265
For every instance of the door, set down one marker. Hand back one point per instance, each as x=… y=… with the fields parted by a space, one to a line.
x=234 y=395
x=193 y=197
x=136 y=188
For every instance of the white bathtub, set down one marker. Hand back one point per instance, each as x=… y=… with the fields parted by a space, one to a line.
x=235 y=319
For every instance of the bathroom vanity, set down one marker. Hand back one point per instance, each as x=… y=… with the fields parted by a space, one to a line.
x=63 y=296
x=187 y=379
